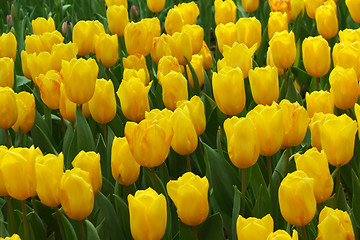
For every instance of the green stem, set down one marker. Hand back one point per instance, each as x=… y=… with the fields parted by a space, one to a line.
x=154 y=178
x=338 y=178
x=34 y=204
x=188 y=163
x=195 y=233
x=268 y=159
x=105 y=133
x=11 y=213
x=303 y=230
x=61 y=227
x=287 y=160
x=82 y=230
x=26 y=224
x=243 y=191
x=7 y=138
x=319 y=208
x=317 y=84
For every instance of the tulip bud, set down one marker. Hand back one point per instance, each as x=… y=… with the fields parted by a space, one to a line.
x=335 y=134
x=283 y=235
x=229 y=90
x=64 y=27
x=148 y=214
x=261 y=228
x=297 y=6
x=206 y=54
x=316 y=166
x=76 y=194
x=353 y=6
x=8 y=45
x=149 y=141
x=264 y=83
x=9 y=20
x=138 y=39
x=250 y=5
x=311 y=7
x=326 y=21
x=278 y=22
x=197 y=63
x=225 y=11
x=110 y=3
x=123 y=164
x=39 y=64
x=174 y=88
x=67 y=108
x=155 y=5
x=319 y=101
x=283 y=49
x=79 y=79
x=267 y=120
x=48 y=172
x=249 y=32
x=181 y=46
x=226 y=34
x=243 y=154
x=190 y=196
x=137 y=62
x=8 y=106
x=174 y=21
x=26 y=112
x=63 y=52
x=83 y=35
x=118 y=18
x=168 y=64
x=6 y=72
x=133 y=95
x=40 y=25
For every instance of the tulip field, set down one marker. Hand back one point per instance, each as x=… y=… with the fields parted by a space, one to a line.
x=180 y=120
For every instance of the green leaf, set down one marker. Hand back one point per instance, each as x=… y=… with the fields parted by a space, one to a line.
x=41 y=140
x=185 y=231
x=91 y=233
x=122 y=211
x=85 y=139
x=236 y=210
x=212 y=228
x=195 y=78
x=68 y=227
x=356 y=197
x=37 y=226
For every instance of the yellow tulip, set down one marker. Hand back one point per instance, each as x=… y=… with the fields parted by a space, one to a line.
x=8 y=108
x=197 y=112
x=264 y=83
x=270 y=62
x=13 y=237
x=76 y=194
x=24 y=65
x=326 y=21
x=79 y=79
x=3 y=191
x=174 y=88
x=319 y=101
x=347 y=55
x=40 y=25
x=160 y=47
x=181 y=46
x=296 y=198
x=283 y=235
x=250 y=5
x=129 y=73
x=229 y=90
x=168 y=64
x=297 y=6
x=137 y=62
x=190 y=196
x=149 y=141
x=349 y=35
x=283 y=49
x=334 y=224
x=283 y=6
x=225 y=35
x=316 y=166
x=48 y=171
x=197 y=36
x=189 y=11
x=49 y=39
x=267 y=121
x=198 y=65
x=278 y=22
x=344 y=87
x=153 y=26
x=106 y=49
x=66 y=107
x=49 y=86
x=148 y=214
x=83 y=35
x=354 y=6
x=174 y=21
x=254 y=228
x=39 y=64
x=248 y=31
x=63 y=52
x=110 y=3
x=133 y=95
x=225 y=11
x=123 y=163
x=311 y=6
x=206 y=54
x=243 y=154
x=138 y=39
x=155 y=5
x=157 y=114
x=315 y=125
x=337 y=138
x=33 y=44
x=6 y=72
x=8 y=45
x=26 y=112
x=118 y=18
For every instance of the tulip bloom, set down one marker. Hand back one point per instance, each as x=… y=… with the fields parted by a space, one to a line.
x=123 y=163
x=315 y=125
x=174 y=88
x=160 y=48
x=198 y=65
x=338 y=138
x=118 y=18
x=283 y=6
x=354 y=6
x=190 y=196
x=137 y=62
x=8 y=45
x=130 y=73
x=261 y=228
x=344 y=87
x=248 y=31
x=13 y=237
x=311 y=7
x=24 y=64
x=229 y=90
x=283 y=49
x=6 y=72
x=48 y=171
x=110 y=3
x=242 y=153
x=250 y=5
x=270 y=62
x=206 y=54
x=40 y=25
x=166 y=65
x=49 y=86
x=296 y=198
x=264 y=83
x=3 y=191
x=349 y=35
x=80 y=79
x=39 y=64
x=334 y=224
x=133 y=95
x=76 y=194
x=278 y=22
x=319 y=101
x=26 y=112
x=155 y=5
x=347 y=55
x=181 y=46
x=138 y=39
x=8 y=106
x=225 y=11
x=268 y=120
x=63 y=52
x=189 y=11
x=283 y=235
x=326 y=21
x=83 y=35
x=66 y=107
x=106 y=49
x=297 y=6
x=226 y=34
x=197 y=36
x=148 y=214
x=174 y=21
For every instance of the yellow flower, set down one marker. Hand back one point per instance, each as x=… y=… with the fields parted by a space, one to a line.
x=133 y=95
x=347 y=55
x=326 y=20
x=13 y=237
x=189 y=11
x=198 y=65
x=283 y=235
x=196 y=33
x=225 y=35
x=79 y=79
x=8 y=108
x=137 y=62
x=225 y=11
x=148 y=214
x=39 y=64
x=254 y=227
x=349 y=35
x=190 y=196
x=149 y=140
x=296 y=198
x=63 y=52
x=160 y=47
x=155 y=5
x=354 y=6
x=49 y=39
x=6 y=72
x=118 y=18
x=174 y=21
x=129 y=73
x=337 y=138
x=106 y=49
x=311 y=6
x=250 y=5
x=138 y=38
x=181 y=46
x=49 y=86
x=334 y=224
x=48 y=171
x=33 y=44
x=283 y=49
x=315 y=124
x=297 y=6
x=153 y=26
x=110 y=3
x=123 y=163
x=248 y=31
x=24 y=64
x=83 y=35
x=264 y=83
x=319 y=101
x=40 y=25
x=242 y=153
x=278 y=22
x=229 y=90
x=8 y=45
x=174 y=88
x=168 y=64
x=283 y=6
x=66 y=107
x=26 y=112
x=206 y=54
x=3 y=191
x=268 y=120
x=76 y=194
x=270 y=62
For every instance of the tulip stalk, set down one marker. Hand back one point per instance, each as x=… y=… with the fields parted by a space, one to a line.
x=7 y=138
x=154 y=178
x=26 y=223
x=82 y=230
x=61 y=227
x=243 y=191
x=195 y=233
x=34 y=204
x=303 y=230
x=11 y=213
x=188 y=163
